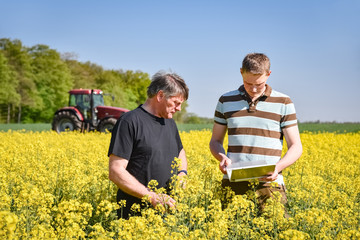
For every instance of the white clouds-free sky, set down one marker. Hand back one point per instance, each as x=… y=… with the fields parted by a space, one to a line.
x=314 y=46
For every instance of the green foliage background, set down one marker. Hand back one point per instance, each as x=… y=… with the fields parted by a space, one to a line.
x=35 y=82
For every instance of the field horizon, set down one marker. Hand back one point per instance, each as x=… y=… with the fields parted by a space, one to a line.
x=336 y=127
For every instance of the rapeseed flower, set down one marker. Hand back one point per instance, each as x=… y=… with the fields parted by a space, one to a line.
x=56 y=186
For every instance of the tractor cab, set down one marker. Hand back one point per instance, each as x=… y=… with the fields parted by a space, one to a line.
x=86 y=101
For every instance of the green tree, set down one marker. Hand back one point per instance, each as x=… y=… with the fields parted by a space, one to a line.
x=112 y=85
x=137 y=83
x=192 y=118
x=42 y=78
x=84 y=74
x=8 y=81
x=53 y=81
x=129 y=88
x=20 y=62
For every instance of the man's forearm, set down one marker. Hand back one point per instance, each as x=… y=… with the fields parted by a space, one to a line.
x=217 y=150
x=290 y=157
x=128 y=183
x=294 y=151
x=183 y=163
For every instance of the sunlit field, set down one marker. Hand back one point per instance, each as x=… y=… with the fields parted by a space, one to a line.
x=55 y=186
x=320 y=127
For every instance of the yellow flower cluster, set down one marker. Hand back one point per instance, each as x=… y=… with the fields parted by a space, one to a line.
x=55 y=186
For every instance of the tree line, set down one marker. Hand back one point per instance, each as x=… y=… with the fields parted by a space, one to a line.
x=35 y=82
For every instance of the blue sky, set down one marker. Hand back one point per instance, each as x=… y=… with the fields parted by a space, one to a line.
x=314 y=46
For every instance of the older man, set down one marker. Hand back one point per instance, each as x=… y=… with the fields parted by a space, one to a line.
x=145 y=142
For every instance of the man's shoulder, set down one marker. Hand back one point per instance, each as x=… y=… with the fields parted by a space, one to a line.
x=131 y=115
x=281 y=97
x=275 y=93
x=234 y=95
x=133 y=112
x=231 y=93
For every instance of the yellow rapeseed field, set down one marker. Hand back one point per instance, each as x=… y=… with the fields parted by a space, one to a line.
x=55 y=186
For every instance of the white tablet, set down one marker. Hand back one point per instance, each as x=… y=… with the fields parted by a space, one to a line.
x=244 y=171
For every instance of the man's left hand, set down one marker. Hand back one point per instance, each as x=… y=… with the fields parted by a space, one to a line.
x=272 y=176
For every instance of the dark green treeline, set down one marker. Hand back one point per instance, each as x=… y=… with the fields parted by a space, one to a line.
x=35 y=82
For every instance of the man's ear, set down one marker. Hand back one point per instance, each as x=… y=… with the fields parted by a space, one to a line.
x=269 y=73
x=160 y=95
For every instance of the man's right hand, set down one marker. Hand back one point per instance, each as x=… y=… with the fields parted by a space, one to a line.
x=163 y=199
x=224 y=163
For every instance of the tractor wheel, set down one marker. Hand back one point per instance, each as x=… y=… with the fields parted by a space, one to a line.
x=65 y=121
x=107 y=125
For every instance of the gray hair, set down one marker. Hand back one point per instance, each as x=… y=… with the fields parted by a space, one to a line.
x=170 y=83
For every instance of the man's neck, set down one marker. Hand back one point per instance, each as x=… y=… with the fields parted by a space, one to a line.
x=253 y=99
x=147 y=106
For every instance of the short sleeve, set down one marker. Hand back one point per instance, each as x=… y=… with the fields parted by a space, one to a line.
x=219 y=116
x=289 y=118
x=178 y=139
x=122 y=139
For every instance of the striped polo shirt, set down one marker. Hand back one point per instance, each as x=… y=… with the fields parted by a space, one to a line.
x=255 y=128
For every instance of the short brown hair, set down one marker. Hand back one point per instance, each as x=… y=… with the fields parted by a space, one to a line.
x=256 y=63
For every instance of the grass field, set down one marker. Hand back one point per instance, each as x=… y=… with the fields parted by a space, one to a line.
x=329 y=127
x=304 y=127
x=35 y=127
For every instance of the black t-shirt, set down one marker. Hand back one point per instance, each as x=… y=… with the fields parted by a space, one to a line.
x=149 y=143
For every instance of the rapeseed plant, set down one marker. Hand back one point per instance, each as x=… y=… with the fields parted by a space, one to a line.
x=55 y=186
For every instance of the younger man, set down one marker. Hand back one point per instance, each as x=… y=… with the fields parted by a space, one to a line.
x=256 y=118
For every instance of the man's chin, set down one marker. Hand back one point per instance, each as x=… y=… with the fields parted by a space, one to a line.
x=255 y=96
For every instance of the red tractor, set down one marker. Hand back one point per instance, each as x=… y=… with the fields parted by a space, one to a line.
x=86 y=111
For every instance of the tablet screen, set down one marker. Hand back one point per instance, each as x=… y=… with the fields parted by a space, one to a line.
x=242 y=173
